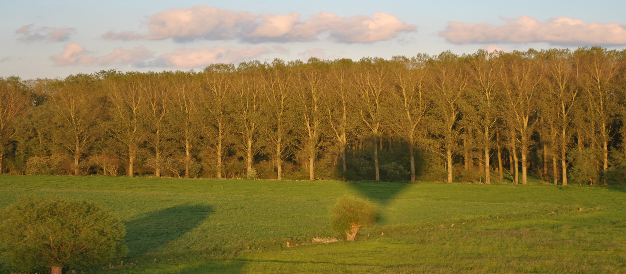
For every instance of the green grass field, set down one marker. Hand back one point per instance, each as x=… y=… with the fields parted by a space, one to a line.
x=241 y=226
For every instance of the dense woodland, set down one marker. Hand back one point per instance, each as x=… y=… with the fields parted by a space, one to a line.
x=553 y=114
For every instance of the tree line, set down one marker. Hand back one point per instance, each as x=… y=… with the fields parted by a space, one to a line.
x=556 y=114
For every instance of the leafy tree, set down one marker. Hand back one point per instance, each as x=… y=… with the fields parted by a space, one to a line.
x=349 y=214
x=448 y=81
x=14 y=103
x=36 y=233
x=371 y=80
x=77 y=107
x=409 y=77
x=127 y=98
x=214 y=101
x=520 y=78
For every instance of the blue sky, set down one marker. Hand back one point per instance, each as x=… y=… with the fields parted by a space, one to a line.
x=48 y=39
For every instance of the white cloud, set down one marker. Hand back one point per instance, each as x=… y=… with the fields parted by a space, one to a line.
x=126 y=56
x=316 y=52
x=75 y=55
x=187 y=58
x=491 y=48
x=43 y=34
x=524 y=29
x=211 y=23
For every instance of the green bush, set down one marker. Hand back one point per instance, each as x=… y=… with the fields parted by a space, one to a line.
x=38 y=234
x=349 y=214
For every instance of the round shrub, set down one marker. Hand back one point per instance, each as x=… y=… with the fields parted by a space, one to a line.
x=53 y=233
x=349 y=214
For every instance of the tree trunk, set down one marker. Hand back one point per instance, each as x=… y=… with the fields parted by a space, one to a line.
x=131 y=163
x=351 y=233
x=605 y=161
x=545 y=159
x=219 y=164
x=555 y=171
x=515 y=160
x=249 y=157
x=487 y=148
x=312 y=166
x=343 y=158
x=376 y=166
x=56 y=269
x=279 y=164
x=76 y=169
x=187 y=157
x=500 y=171
x=449 y=160
x=157 y=148
x=466 y=157
x=1 y=155
x=564 y=155
x=524 y=159
x=411 y=153
x=605 y=154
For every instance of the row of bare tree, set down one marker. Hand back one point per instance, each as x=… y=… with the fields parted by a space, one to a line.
x=557 y=109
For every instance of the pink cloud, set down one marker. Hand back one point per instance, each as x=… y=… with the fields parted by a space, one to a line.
x=76 y=55
x=192 y=58
x=73 y=55
x=316 y=52
x=43 y=34
x=491 y=48
x=524 y=29
x=211 y=23
x=124 y=56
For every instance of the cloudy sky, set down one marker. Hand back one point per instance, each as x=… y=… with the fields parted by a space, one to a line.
x=48 y=39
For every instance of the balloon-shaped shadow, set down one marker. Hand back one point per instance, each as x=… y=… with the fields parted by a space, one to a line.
x=155 y=229
x=380 y=191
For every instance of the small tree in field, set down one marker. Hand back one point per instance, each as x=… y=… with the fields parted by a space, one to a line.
x=348 y=215
x=38 y=233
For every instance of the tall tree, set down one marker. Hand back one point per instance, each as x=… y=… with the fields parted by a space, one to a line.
x=484 y=70
x=372 y=81
x=561 y=87
x=157 y=90
x=599 y=67
x=186 y=114
x=278 y=102
x=448 y=82
x=309 y=83
x=77 y=108
x=14 y=102
x=409 y=75
x=125 y=92
x=520 y=79
x=214 y=103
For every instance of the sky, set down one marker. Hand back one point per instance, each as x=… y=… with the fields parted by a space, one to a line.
x=55 y=39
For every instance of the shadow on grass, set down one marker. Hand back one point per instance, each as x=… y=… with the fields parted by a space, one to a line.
x=620 y=188
x=154 y=230
x=382 y=192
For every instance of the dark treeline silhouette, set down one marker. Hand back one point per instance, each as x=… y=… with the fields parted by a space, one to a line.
x=555 y=114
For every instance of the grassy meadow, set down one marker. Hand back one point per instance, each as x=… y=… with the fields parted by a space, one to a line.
x=244 y=226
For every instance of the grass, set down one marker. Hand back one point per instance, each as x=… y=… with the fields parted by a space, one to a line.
x=241 y=226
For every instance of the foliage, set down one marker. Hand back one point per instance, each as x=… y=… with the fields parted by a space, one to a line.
x=372 y=118
x=349 y=214
x=38 y=233
x=585 y=168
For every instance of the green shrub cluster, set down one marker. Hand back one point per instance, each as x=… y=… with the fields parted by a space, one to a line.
x=56 y=233
x=349 y=214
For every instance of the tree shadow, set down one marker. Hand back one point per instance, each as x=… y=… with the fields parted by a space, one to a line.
x=156 y=229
